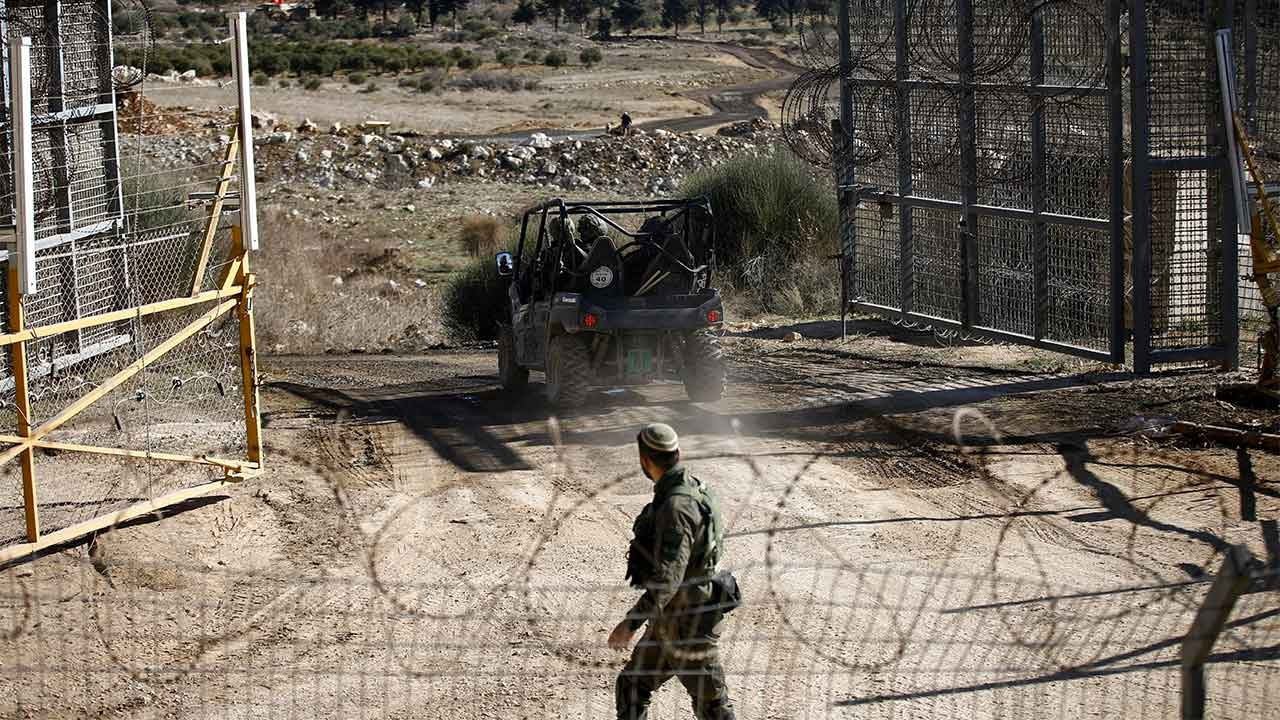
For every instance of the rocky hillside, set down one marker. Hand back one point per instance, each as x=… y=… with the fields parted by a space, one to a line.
x=341 y=158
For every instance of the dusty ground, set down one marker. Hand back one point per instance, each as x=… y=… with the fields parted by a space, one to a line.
x=921 y=531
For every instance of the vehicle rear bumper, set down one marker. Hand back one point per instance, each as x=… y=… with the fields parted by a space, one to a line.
x=642 y=319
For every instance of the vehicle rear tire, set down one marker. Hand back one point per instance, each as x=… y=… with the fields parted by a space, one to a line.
x=704 y=372
x=568 y=371
x=513 y=377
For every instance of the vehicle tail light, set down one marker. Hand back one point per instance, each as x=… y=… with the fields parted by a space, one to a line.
x=590 y=320
x=713 y=316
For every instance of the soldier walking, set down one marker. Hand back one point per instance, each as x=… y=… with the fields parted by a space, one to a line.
x=674 y=557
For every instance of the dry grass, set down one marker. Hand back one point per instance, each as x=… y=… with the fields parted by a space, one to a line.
x=318 y=293
x=481 y=235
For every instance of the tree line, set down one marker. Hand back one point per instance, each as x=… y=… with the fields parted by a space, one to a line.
x=607 y=16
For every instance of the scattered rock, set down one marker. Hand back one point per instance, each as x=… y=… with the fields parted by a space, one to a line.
x=792 y=337
x=307 y=126
x=336 y=129
x=263 y=120
x=187 y=76
x=433 y=153
x=539 y=141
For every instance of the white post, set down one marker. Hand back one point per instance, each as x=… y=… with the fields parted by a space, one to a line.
x=24 y=252
x=248 y=189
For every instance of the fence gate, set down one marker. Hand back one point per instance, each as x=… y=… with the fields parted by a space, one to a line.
x=976 y=168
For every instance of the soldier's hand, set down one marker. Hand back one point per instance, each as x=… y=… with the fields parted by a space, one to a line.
x=620 y=638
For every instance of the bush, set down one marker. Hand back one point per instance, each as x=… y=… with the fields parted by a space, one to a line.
x=494 y=81
x=457 y=53
x=426 y=84
x=775 y=224
x=555 y=59
x=481 y=235
x=356 y=78
x=261 y=78
x=590 y=56
x=534 y=56
x=370 y=88
x=469 y=62
x=506 y=58
x=312 y=84
x=474 y=301
x=284 y=84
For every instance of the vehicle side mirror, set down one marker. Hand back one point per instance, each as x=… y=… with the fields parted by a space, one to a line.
x=505 y=266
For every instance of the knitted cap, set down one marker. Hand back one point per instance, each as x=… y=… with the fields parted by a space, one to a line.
x=660 y=437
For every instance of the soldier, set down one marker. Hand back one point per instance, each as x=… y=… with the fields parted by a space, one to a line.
x=626 y=124
x=674 y=556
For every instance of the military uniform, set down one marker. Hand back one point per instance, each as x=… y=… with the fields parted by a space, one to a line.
x=679 y=534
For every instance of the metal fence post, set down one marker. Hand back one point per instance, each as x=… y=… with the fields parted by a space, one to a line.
x=22 y=260
x=906 y=234
x=1115 y=150
x=1039 y=180
x=248 y=188
x=1140 y=121
x=967 y=120
x=1232 y=580
x=848 y=202
x=1228 y=257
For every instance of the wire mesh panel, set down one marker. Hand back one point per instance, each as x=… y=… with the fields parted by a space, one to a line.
x=1184 y=209
x=988 y=131
x=132 y=203
x=1257 y=29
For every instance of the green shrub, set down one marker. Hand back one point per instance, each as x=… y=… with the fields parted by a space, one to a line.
x=284 y=84
x=775 y=225
x=506 y=58
x=590 y=56
x=468 y=62
x=312 y=84
x=534 y=56
x=555 y=59
x=356 y=78
x=370 y=88
x=426 y=84
x=457 y=53
x=261 y=78
x=474 y=300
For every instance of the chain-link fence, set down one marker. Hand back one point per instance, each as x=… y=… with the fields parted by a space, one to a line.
x=124 y=365
x=1048 y=173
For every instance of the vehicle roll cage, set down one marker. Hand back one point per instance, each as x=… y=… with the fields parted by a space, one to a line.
x=603 y=210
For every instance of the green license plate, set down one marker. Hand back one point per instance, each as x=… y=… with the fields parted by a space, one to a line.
x=639 y=362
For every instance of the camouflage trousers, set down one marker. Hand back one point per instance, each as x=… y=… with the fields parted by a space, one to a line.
x=694 y=660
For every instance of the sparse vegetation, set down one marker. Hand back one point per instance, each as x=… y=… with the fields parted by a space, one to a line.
x=590 y=56
x=481 y=235
x=775 y=224
x=493 y=81
x=357 y=78
x=555 y=59
x=313 y=84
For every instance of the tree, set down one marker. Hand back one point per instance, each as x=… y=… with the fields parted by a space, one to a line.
x=675 y=13
x=578 y=11
x=702 y=10
x=525 y=13
x=773 y=9
x=628 y=14
x=552 y=9
x=329 y=8
x=722 y=14
x=417 y=7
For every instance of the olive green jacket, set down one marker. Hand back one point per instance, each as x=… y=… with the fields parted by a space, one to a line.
x=684 y=555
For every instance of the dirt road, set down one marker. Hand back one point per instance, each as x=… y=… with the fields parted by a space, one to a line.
x=728 y=104
x=921 y=531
